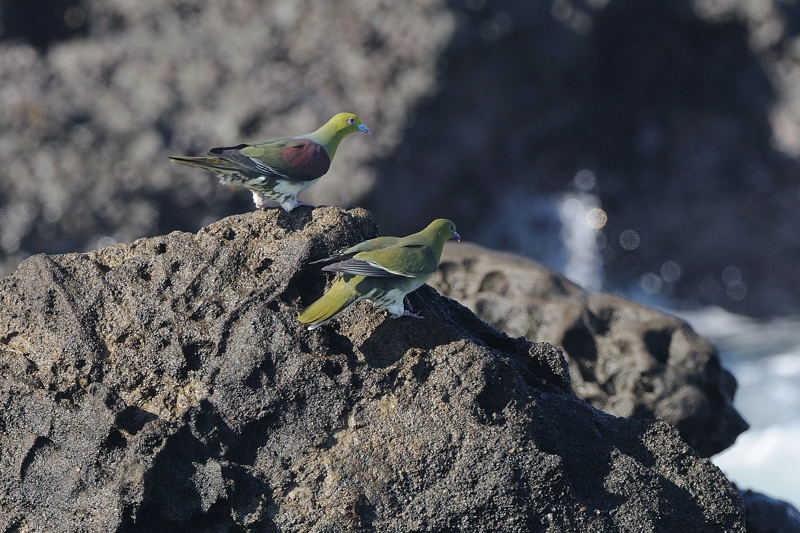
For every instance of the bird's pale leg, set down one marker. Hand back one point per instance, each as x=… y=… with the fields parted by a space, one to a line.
x=399 y=310
x=289 y=205
x=260 y=200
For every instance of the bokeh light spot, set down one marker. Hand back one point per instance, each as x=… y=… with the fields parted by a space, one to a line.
x=651 y=283
x=597 y=218
x=731 y=275
x=584 y=180
x=737 y=291
x=74 y=17
x=629 y=239
x=670 y=271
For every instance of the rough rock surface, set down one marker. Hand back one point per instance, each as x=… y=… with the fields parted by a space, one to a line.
x=166 y=385
x=624 y=358
x=686 y=112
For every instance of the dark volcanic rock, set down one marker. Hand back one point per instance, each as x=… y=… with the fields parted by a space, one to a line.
x=769 y=515
x=624 y=358
x=166 y=385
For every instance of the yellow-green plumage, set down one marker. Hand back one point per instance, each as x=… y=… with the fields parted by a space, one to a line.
x=279 y=169
x=340 y=295
x=382 y=270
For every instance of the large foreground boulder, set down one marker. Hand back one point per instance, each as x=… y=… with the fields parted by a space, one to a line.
x=166 y=385
x=624 y=358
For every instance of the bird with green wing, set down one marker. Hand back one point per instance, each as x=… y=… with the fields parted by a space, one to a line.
x=279 y=169
x=382 y=270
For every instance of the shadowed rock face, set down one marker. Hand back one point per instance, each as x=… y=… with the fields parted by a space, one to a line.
x=624 y=358
x=166 y=384
x=767 y=515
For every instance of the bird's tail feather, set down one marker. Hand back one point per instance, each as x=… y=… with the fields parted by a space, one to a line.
x=214 y=164
x=340 y=295
x=329 y=259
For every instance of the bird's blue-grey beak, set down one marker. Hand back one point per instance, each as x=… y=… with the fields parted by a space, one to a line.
x=456 y=236
x=364 y=128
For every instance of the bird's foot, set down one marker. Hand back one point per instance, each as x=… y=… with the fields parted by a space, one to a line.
x=407 y=304
x=409 y=313
x=289 y=206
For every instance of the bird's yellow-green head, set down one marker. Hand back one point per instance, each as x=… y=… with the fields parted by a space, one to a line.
x=347 y=123
x=441 y=230
x=339 y=126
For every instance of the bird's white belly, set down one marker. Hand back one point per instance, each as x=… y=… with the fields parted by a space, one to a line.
x=292 y=188
x=391 y=300
x=282 y=191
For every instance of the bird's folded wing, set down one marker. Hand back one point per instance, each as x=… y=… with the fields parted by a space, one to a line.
x=357 y=267
x=366 y=246
x=407 y=261
x=270 y=158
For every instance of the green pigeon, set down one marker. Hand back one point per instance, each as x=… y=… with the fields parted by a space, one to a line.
x=382 y=270
x=279 y=169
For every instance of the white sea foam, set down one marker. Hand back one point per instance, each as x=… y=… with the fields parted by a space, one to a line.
x=765 y=358
x=561 y=230
x=766 y=460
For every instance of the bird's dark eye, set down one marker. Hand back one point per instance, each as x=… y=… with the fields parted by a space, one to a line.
x=351 y=120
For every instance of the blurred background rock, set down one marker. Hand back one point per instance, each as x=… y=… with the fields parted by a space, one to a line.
x=672 y=126
x=89 y=115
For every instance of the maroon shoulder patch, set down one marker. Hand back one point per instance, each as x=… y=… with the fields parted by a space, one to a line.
x=306 y=158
